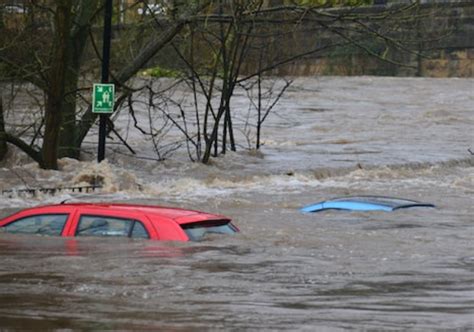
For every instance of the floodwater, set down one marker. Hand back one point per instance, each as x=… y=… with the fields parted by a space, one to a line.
x=411 y=269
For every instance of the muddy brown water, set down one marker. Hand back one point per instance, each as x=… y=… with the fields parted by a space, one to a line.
x=411 y=269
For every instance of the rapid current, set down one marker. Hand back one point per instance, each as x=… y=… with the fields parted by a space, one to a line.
x=412 y=269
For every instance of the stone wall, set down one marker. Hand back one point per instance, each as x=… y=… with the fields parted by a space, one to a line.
x=446 y=34
x=452 y=56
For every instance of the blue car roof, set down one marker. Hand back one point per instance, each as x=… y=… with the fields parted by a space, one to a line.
x=364 y=203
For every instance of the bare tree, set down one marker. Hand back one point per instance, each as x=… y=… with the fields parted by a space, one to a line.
x=244 y=39
x=56 y=67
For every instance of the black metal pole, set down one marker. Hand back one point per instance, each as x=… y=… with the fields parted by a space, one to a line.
x=105 y=75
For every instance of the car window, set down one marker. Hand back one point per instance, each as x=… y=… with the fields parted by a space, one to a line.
x=44 y=224
x=139 y=231
x=197 y=231
x=110 y=226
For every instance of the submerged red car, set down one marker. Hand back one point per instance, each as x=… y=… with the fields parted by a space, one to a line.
x=119 y=220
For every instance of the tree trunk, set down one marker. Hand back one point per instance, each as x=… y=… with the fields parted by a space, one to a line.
x=212 y=142
x=3 y=138
x=68 y=128
x=259 y=106
x=79 y=38
x=57 y=80
x=67 y=132
x=231 y=130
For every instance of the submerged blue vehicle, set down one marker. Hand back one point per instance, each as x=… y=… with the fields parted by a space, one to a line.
x=364 y=203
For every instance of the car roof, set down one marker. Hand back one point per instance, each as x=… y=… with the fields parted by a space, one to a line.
x=178 y=214
x=365 y=203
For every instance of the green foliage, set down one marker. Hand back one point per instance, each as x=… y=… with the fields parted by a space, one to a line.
x=161 y=72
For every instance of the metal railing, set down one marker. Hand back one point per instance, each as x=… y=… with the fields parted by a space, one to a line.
x=50 y=190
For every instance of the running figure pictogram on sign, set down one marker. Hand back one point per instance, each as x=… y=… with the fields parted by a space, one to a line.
x=103 y=98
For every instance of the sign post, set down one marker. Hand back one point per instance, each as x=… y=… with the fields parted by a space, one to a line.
x=103 y=98
x=105 y=93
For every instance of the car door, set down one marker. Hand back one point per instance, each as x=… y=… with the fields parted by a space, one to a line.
x=40 y=221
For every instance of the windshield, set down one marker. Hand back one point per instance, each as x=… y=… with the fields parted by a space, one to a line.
x=379 y=200
x=197 y=231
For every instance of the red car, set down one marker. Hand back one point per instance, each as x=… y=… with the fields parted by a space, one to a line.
x=121 y=220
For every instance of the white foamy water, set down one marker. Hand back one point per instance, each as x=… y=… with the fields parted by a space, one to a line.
x=406 y=270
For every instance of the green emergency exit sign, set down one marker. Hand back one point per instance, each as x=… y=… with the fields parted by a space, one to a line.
x=103 y=98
